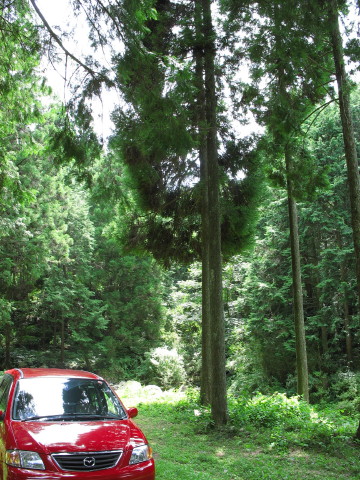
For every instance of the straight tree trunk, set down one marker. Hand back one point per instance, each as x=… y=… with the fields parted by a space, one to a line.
x=205 y=385
x=217 y=348
x=348 y=131
x=284 y=139
x=324 y=339
x=62 y=345
x=7 y=360
x=348 y=339
x=316 y=294
x=301 y=355
x=348 y=135
x=205 y=390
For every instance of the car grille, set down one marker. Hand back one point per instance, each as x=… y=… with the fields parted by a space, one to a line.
x=88 y=461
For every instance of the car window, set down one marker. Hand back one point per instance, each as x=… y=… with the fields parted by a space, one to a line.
x=5 y=384
x=70 y=398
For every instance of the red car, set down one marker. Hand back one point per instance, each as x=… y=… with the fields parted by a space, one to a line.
x=68 y=424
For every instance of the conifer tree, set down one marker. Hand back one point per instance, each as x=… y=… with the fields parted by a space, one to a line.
x=343 y=83
x=282 y=48
x=171 y=123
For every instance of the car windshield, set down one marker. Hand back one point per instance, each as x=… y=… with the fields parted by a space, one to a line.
x=56 y=398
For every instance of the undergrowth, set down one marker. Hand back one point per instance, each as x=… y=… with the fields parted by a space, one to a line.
x=282 y=422
x=267 y=438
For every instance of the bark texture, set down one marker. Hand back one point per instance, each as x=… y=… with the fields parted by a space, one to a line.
x=299 y=323
x=218 y=373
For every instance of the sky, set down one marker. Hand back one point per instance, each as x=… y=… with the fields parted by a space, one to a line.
x=59 y=15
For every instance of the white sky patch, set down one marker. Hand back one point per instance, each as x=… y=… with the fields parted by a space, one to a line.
x=60 y=16
x=74 y=34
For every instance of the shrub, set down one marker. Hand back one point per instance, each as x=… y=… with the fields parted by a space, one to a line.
x=272 y=410
x=289 y=422
x=345 y=386
x=166 y=368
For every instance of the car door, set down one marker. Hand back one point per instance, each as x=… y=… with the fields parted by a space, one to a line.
x=5 y=384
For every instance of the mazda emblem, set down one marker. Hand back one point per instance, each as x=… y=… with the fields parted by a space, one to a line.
x=89 y=462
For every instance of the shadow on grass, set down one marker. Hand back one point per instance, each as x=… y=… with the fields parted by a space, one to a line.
x=268 y=438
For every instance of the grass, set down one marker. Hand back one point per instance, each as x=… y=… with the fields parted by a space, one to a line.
x=269 y=438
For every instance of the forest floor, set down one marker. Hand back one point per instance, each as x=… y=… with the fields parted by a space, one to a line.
x=185 y=448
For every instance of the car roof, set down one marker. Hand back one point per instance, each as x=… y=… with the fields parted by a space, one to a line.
x=51 y=372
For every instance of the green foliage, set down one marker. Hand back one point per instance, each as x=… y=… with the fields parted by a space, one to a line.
x=71 y=292
x=261 y=354
x=281 y=422
x=131 y=294
x=158 y=138
x=184 y=313
x=295 y=68
x=74 y=143
x=47 y=241
x=298 y=441
x=277 y=409
x=166 y=368
x=344 y=388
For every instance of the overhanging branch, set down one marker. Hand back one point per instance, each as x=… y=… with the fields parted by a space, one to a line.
x=59 y=42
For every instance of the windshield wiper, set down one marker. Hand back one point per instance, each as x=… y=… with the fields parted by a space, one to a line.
x=95 y=416
x=42 y=417
x=74 y=416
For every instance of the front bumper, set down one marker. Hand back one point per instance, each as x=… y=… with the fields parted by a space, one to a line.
x=141 y=471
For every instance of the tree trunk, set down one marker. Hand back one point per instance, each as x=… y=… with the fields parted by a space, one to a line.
x=301 y=356
x=324 y=339
x=357 y=434
x=348 y=135
x=348 y=132
x=343 y=278
x=62 y=347
x=348 y=339
x=218 y=372
x=284 y=139
x=7 y=359
x=205 y=385
x=205 y=391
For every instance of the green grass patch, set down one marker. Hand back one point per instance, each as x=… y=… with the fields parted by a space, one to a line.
x=268 y=438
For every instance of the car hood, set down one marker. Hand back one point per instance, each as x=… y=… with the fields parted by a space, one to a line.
x=75 y=436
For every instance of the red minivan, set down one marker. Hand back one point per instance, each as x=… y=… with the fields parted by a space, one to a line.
x=68 y=424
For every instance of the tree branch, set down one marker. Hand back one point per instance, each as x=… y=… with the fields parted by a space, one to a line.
x=59 y=42
x=317 y=112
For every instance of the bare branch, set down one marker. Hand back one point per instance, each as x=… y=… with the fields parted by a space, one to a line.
x=59 y=42
x=317 y=112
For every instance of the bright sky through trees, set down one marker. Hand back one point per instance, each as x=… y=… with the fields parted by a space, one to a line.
x=61 y=18
x=60 y=75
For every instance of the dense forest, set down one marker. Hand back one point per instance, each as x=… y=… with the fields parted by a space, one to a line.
x=188 y=248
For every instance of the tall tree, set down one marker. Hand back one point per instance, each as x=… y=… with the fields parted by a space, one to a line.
x=205 y=384
x=162 y=158
x=344 y=87
x=213 y=324
x=296 y=79
x=213 y=222
x=283 y=138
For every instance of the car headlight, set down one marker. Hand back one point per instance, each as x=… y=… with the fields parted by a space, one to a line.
x=24 y=459
x=140 y=454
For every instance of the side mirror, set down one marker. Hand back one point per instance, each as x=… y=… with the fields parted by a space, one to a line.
x=132 y=412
